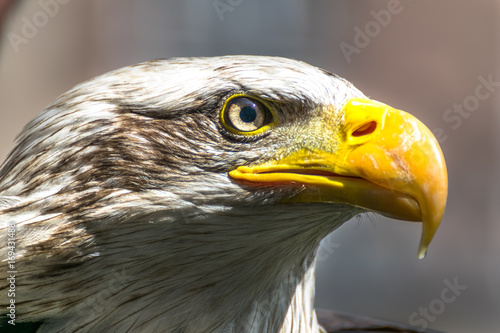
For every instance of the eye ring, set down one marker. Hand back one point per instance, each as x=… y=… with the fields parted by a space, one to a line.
x=245 y=115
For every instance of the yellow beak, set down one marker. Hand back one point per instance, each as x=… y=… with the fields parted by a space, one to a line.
x=385 y=160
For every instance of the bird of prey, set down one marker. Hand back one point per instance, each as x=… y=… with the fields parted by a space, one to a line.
x=191 y=195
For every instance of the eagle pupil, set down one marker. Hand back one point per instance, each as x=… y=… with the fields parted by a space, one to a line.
x=248 y=114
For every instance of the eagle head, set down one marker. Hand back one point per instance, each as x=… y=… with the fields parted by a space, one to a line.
x=191 y=194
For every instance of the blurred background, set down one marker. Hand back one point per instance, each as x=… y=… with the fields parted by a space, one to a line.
x=435 y=59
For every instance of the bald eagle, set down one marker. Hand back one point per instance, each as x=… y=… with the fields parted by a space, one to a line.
x=191 y=195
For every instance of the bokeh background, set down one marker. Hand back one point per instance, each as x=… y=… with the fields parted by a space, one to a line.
x=427 y=57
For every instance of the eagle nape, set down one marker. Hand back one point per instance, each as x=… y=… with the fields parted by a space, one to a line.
x=191 y=195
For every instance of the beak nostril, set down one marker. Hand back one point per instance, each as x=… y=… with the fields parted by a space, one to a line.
x=365 y=129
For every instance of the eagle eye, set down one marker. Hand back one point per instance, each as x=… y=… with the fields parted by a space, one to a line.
x=244 y=115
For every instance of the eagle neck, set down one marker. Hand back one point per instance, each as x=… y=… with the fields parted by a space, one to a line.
x=289 y=308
